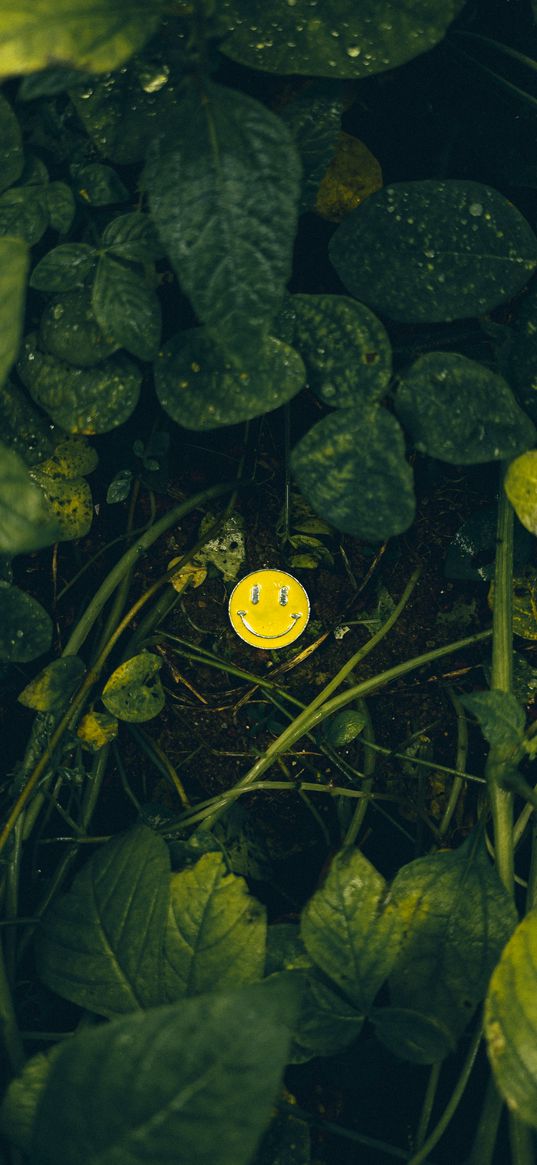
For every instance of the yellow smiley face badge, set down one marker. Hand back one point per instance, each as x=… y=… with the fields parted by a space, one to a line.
x=269 y=608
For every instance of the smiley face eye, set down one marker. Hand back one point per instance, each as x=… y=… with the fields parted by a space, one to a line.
x=255 y=594
x=284 y=595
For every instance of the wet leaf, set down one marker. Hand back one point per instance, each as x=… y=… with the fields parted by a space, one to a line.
x=23 y=428
x=65 y=268
x=69 y=501
x=511 y=1021
x=25 y=626
x=69 y=331
x=119 y=487
x=96 y=729
x=100 y=944
x=353 y=174
x=99 y=185
x=127 y=308
x=25 y=521
x=369 y=38
x=314 y=118
x=520 y=484
x=224 y=186
x=350 y=930
x=133 y=237
x=434 y=251
x=352 y=470
x=216 y=933
x=134 y=691
x=12 y=156
x=201 y=389
x=81 y=400
x=90 y=34
x=345 y=348
x=461 y=412
x=51 y=690
x=13 y=273
x=119 y=115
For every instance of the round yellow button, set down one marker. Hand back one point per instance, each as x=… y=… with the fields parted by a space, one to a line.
x=269 y=608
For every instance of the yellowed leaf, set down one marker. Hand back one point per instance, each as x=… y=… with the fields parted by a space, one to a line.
x=191 y=574
x=97 y=729
x=70 y=502
x=72 y=457
x=353 y=174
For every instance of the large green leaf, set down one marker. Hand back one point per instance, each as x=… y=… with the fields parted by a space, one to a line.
x=224 y=185
x=434 y=250
x=65 y=268
x=25 y=522
x=351 y=468
x=511 y=1021
x=350 y=929
x=11 y=152
x=457 y=918
x=100 y=945
x=120 y=116
x=134 y=691
x=81 y=400
x=90 y=34
x=345 y=348
x=314 y=118
x=13 y=272
x=201 y=389
x=25 y=626
x=461 y=412
x=69 y=331
x=127 y=307
x=216 y=933
x=192 y=1082
x=522 y=362
x=333 y=38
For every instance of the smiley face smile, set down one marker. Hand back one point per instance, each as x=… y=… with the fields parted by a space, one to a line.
x=269 y=608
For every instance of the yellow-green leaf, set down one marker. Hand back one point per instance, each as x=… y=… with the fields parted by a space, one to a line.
x=97 y=729
x=511 y=1021
x=70 y=503
x=521 y=488
x=352 y=175
x=134 y=691
x=51 y=690
x=13 y=272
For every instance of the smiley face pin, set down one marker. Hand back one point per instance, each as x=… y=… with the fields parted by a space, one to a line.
x=269 y=609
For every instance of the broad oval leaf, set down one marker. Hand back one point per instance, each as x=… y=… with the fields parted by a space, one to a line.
x=134 y=691
x=345 y=348
x=25 y=520
x=72 y=457
x=133 y=237
x=224 y=186
x=89 y=34
x=164 y=1086
x=434 y=251
x=461 y=412
x=201 y=389
x=216 y=933
x=25 y=626
x=520 y=484
x=11 y=139
x=98 y=185
x=336 y=38
x=350 y=930
x=457 y=917
x=81 y=400
x=69 y=331
x=51 y=690
x=119 y=115
x=511 y=1021
x=13 y=271
x=65 y=268
x=69 y=501
x=100 y=945
x=127 y=308
x=344 y=727
x=352 y=470
x=420 y=1038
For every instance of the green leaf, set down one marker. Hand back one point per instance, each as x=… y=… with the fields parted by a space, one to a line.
x=81 y=400
x=51 y=690
x=25 y=522
x=127 y=307
x=344 y=727
x=100 y=945
x=461 y=412
x=500 y=716
x=345 y=348
x=351 y=930
x=24 y=213
x=133 y=237
x=72 y=457
x=434 y=251
x=327 y=1022
x=352 y=470
x=223 y=190
x=60 y=206
x=314 y=118
x=89 y=34
x=119 y=487
x=194 y=1082
x=511 y=1021
x=520 y=484
x=19 y=1105
x=69 y=502
x=522 y=362
x=23 y=429
x=422 y=1039
x=201 y=389
x=25 y=627
x=98 y=185
x=12 y=156
x=134 y=691
x=122 y=117
x=65 y=268
x=335 y=38
x=13 y=273
x=457 y=916
x=216 y=933
x=69 y=331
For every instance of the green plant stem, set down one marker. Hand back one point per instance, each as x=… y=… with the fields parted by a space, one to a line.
x=223 y=800
x=423 y=1152
x=368 y=737
x=522 y=1142
x=314 y=714
x=460 y=763
x=9 y=1030
x=428 y=1103
x=501 y=801
x=487 y=1130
